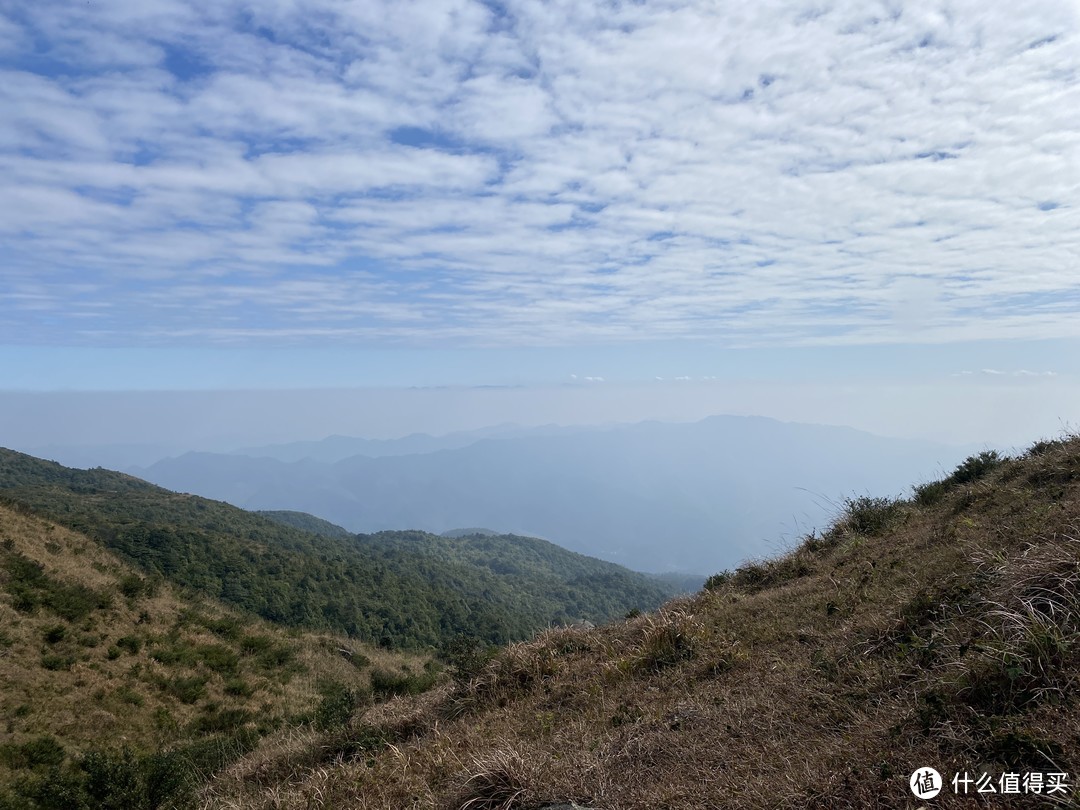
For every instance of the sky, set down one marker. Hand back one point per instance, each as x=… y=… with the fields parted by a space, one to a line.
x=677 y=198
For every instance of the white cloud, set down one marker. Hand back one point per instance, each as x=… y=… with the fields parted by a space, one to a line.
x=548 y=173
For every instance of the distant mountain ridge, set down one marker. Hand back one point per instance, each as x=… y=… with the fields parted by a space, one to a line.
x=393 y=588
x=695 y=497
x=338 y=448
x=467 y=532
x=305 y=522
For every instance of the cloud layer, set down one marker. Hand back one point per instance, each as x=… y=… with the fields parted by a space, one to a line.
x=538 y=173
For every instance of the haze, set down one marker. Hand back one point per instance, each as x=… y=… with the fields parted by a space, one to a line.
x=226 y=225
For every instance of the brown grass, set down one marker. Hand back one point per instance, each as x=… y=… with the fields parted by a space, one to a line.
x=112 y=686
x=822 y=679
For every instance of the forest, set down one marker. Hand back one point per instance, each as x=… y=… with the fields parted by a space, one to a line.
x=393 y=589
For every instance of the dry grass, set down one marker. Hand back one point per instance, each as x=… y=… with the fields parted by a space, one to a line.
x=141 y=671
x=946 y=636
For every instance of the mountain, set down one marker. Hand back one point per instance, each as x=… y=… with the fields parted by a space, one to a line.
x=652 y=496
x=119 y=690
x=337 y=448
x=467 y=532
x=393 y=589
x=307 y=523
x=940 y=631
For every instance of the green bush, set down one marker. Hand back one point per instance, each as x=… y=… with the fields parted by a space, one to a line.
x=386 y=683
x=466 y=656
x=130 y=643
x=718 y=580
x=336 y=705
x=187 y=689
x=41 y=751
x=132 y=586
x=1044 y=446
x=56 y=662
x=126 y=694
x=178 y=653
x=256 y=644
x=53 y=634
x=275 y=657
x=870 y=516
x=30 y=588
x=975 y=467
x=218 y=658
x=216 y=719
x=970 y=469
x=930 y=493
x=238 y=688
x=226 y=627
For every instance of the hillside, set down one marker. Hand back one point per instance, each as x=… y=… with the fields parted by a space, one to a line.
x=305 y=522
x=717 y=490
x=120 y=691
x=940 y=631
x=393 y=592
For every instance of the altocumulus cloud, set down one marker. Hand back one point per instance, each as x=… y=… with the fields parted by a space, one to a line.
x=541 y=173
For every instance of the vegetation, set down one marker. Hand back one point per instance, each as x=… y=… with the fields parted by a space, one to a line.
x=394 y=589
x=909 y=633
x=120 y=691
x=305 y=522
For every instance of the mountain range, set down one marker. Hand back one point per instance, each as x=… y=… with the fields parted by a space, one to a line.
x=391 y=588
x=695 y=497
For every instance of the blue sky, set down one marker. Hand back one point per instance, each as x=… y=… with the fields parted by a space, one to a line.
x=207 y=194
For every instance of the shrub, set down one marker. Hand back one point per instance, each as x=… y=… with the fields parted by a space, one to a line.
x=872 y=517
x=238 y=688
x=218 y=658
x=718 y=580
x=56 y=662
x=54 y=634
x=42 y=751
x=1043 y=447
x=132 y=586
x=130 y=643
x=226 y=627
x=466 y=656
x=975 y=467
x=216 y=719
x=126 y=694
x=930 y=493
x=384 y=682
x=336 y=706
x=187 y=690
x=256 y=644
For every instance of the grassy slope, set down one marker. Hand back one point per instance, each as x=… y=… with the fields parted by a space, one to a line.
x=942 y=631
x=92 y=654
x=373 y=588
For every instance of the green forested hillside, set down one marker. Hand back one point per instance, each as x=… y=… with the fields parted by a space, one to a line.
x=304 y=521
x=393 y=589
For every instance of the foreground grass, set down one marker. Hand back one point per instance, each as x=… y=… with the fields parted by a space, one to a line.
x=117 y=690
x=940 y=631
